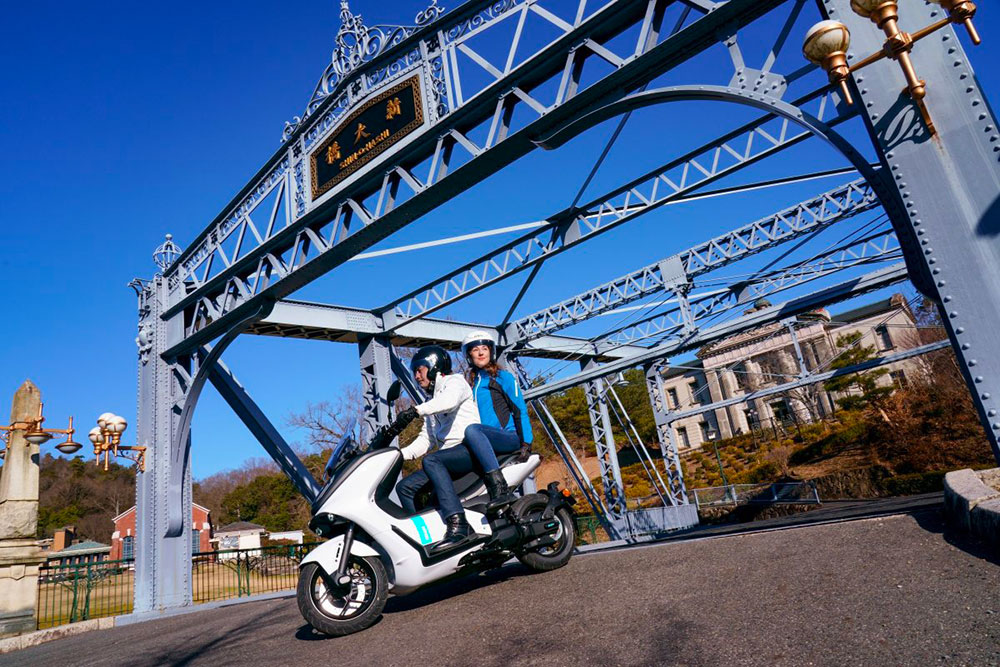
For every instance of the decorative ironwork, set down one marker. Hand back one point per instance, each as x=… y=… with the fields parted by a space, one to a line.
x=357 y=44
x=166 y=253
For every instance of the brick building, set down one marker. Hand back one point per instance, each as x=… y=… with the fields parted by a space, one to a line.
x=123 y=539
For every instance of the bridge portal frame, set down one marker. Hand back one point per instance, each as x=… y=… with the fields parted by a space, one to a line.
x=190 y=314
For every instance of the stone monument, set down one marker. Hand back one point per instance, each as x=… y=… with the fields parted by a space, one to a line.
x=20 y=555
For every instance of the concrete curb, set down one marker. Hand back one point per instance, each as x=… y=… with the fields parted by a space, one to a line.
x=30 y=639
x=972 y=505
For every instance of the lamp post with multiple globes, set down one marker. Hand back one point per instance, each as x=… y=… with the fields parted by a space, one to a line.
x=106 y=438
x=826 y=43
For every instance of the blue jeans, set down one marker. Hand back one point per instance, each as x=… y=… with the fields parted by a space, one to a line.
x=486 y=442
x=442 y=466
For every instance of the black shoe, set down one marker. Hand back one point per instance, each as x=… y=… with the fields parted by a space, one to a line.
x=500 y=495
x=458 y=530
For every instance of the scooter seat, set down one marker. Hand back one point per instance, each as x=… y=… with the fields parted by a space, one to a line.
x=464 y=485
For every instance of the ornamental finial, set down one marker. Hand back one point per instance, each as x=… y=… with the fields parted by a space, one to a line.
x=166 y=253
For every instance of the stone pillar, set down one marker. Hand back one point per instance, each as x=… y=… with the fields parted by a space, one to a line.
x=716 y=394
x=20 y=555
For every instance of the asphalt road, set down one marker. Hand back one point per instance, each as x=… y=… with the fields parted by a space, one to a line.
x=886 y=591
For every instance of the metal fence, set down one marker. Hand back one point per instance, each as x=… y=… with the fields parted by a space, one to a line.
x=81 y=591
x=220 y=575
x=779 y=493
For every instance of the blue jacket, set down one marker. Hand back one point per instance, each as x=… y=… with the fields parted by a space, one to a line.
x=490 y=414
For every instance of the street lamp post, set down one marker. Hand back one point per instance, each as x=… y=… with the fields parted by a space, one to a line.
x=826 y=44
x=107 y=437
x=712 y=435
x=36 y=435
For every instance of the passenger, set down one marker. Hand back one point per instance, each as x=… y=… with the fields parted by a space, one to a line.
x=502 y=413
x=447 y=415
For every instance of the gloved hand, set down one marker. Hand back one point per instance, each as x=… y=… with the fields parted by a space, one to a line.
x=525 y=452
x=404 y=418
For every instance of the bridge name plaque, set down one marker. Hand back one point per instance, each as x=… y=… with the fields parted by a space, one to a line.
x=378 y=124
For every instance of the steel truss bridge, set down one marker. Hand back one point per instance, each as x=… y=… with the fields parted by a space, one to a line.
x=484 y=84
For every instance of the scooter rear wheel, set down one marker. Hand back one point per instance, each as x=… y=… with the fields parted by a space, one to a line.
x=341 y=610
x=554 y=556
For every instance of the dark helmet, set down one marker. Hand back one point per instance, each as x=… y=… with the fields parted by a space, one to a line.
x=435 y=358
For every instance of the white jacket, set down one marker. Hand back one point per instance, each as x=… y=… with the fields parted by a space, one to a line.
x=446 y=415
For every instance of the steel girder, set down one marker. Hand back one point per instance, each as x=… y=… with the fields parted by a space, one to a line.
x=879 y=247
x=604 y=442
x=162 y=562
x=812 y=378
x=261 y=427
x=665 y=434
x=947 y=182
x=805 y=217
x=833 y=294
x=673 y=181
x=376 y=376
x=338 y=225
x=315 y=321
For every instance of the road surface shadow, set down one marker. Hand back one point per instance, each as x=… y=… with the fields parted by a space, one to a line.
x=449 y=588
x=933 y=521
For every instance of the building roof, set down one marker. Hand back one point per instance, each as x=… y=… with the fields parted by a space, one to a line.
x=80 y=548
x=871 y=309
x=238 y=526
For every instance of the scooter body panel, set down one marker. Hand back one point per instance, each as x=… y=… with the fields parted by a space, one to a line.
x=327 y=555
x=401 y=538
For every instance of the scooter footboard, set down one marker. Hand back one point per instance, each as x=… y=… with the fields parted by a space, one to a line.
x=327 y=555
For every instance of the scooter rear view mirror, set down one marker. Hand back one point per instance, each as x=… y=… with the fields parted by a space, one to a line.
x=393 y=392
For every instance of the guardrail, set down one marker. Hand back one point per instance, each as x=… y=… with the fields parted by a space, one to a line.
x=779 y=493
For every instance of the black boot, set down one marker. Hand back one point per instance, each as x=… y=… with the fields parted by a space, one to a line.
x=500 y=495
x=458 y=530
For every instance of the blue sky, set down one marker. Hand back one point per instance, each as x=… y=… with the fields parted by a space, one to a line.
x=123 y=122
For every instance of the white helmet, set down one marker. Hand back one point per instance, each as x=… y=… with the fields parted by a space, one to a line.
x=479 y=338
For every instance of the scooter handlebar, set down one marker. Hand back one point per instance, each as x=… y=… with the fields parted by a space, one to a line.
x=386 y=434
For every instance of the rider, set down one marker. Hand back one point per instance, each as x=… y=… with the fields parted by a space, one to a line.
x=447 y=415
x=502 y=412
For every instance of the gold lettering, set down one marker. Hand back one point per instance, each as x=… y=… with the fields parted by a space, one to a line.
x=332 y=152
x=360 y=132
x=393 y=109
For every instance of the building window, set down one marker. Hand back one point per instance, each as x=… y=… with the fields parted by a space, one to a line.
x=780 y=410
x=195 y=541
x=898 y=378
x=884 y=339
x=672 y=401
x=696 y=397
x=682 y=437
x=128 y=548
x=704 y=431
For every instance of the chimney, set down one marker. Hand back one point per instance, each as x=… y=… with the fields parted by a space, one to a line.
x=63 y=538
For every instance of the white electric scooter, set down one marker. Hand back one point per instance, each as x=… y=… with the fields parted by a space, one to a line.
x=374 y=547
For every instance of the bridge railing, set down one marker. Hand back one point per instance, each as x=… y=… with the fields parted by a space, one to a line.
x=778 y=493
x=233 y=573
x=80 y=591
x=73 y=592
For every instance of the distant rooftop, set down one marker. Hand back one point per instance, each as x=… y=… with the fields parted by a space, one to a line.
x=238 y=526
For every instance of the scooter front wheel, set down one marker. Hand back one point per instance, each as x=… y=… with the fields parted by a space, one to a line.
x=341 y=610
